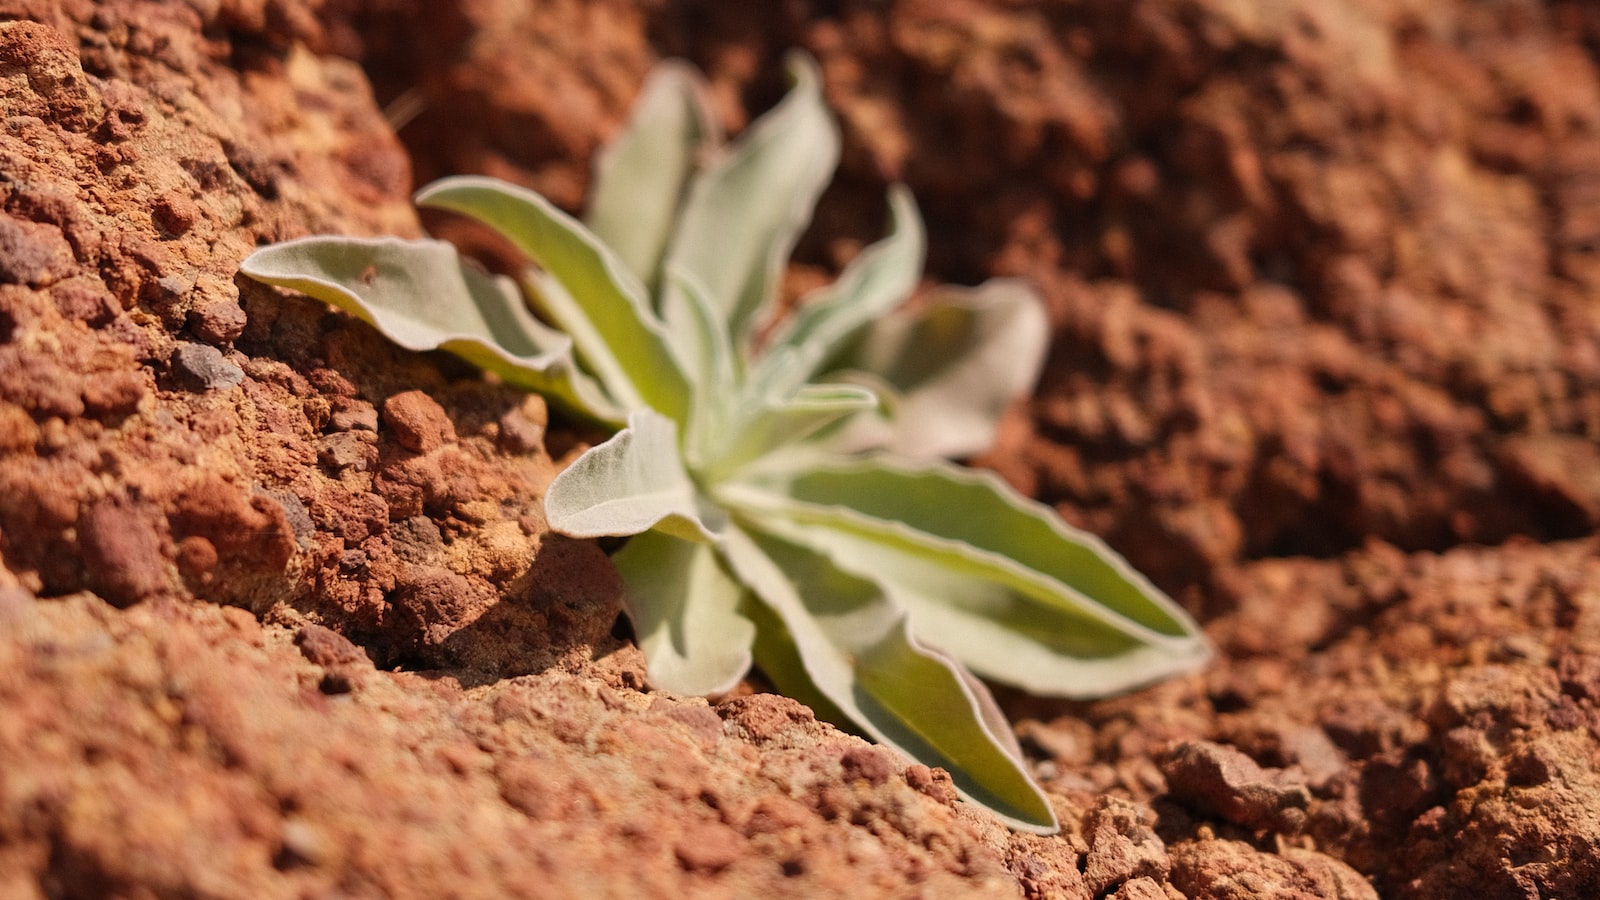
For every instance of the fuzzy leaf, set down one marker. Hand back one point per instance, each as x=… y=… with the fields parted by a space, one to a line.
x=771 y=425
x=685 y=613
x=854 y=648
x=953 y=366
x=879 y=279
x=702 y=342
x=640 y=175
x=987 y=575
x=745 y=212
x=584 y=289
x=631 y=483
x=423 y=296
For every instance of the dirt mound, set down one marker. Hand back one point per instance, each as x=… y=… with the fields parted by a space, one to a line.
x=280 y=616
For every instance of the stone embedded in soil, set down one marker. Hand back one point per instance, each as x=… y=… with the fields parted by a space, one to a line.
x=1121 y=847
x=1221 y=781
x=418 y=422
x=204 y=368
x=219 y=321
x=709 y=848
x=121 y=544
x=32 y=253
x=1139 y=889
x=326 y=647
x=1218 y=869
x=874 y=765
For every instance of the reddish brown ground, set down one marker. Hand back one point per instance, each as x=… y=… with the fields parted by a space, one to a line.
x=279 y=615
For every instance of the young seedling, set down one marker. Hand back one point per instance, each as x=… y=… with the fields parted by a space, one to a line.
x=787 y=500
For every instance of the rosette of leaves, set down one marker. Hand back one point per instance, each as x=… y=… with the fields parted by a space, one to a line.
x=781 y=482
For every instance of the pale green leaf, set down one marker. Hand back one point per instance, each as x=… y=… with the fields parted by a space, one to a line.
x=423 y=296
x=640 y=176
x=631 y=483
x=954 y=366
x=879 y=279
x=685 y=612
x=702 y=342
x=779 y=660
x=854 y=648
x=987 y=575
x=745 y=212
x=770 y=425
x=582 y=287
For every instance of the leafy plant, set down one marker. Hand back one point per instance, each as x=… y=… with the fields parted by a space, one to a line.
x=780 y=480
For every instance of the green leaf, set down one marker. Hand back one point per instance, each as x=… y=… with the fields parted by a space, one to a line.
x=423 y=296
x=702 y=342
x=986 y=575
x=631 y=483
x=584 y=289
x=685 y=612
x=640 y=176
x=954 y=366
x=879 y=279
x=854 y=648
x=771 y=425
x=745 y=212
x=779 y=660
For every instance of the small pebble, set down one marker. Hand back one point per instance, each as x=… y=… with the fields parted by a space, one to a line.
x=205 y=368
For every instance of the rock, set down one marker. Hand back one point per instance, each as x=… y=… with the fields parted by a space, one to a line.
x=32 y=253
x=204 y=368
x=1217 y=869
x=1121 y=848
x=326 y=647
x=121 y=544
x=1217 y=780
x=418 y=423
